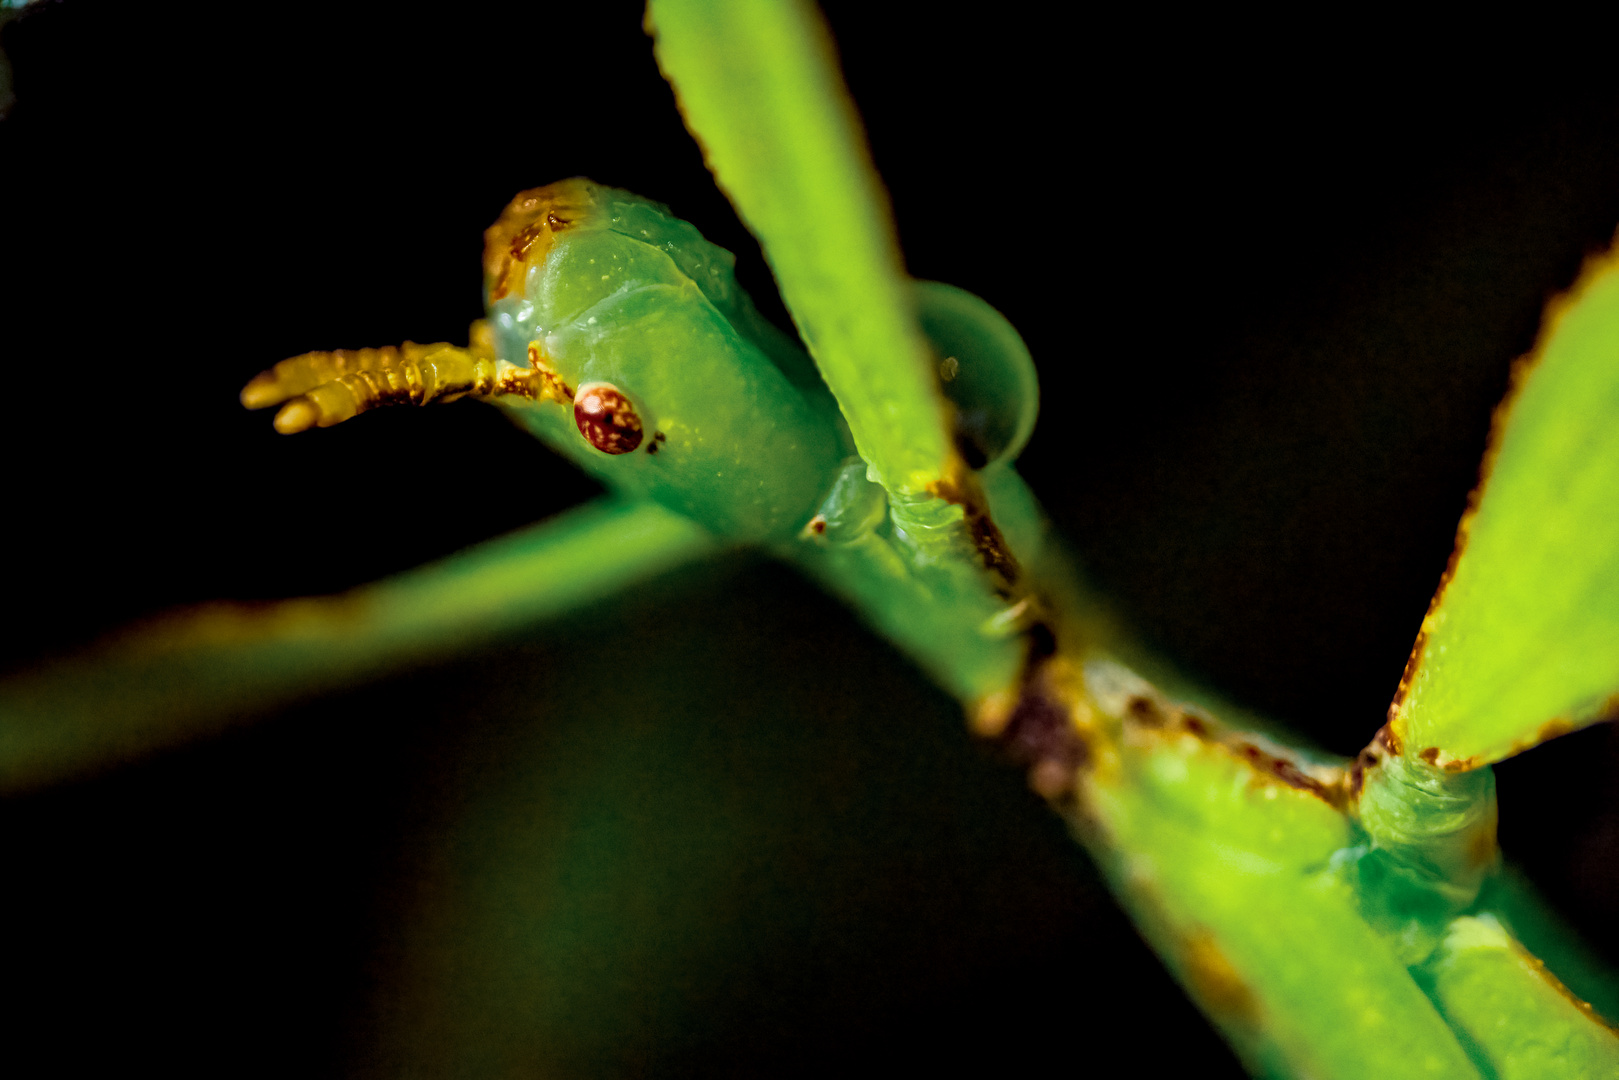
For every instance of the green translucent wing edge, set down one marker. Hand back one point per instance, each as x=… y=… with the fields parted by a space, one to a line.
x=758 y=86
x=193 y=673
x=1522 y=641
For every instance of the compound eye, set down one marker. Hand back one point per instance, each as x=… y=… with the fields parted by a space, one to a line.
x=606 y=418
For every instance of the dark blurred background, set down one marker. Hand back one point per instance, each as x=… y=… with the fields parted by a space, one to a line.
x=1274 y=296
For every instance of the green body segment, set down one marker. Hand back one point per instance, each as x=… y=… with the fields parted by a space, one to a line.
x=1231 y=876
x=758 y=85
x=632 y=296
x=937 y=611
x=1509 y=897
x=914 y=574
x=1515 y=1018
x=1523 y=641
x=1434 y=830
x=753 y=446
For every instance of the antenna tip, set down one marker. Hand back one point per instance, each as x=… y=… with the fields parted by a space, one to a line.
x=297 y=415
x=261 y=391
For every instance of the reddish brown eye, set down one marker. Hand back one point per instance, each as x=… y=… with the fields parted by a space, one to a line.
x=606 y=418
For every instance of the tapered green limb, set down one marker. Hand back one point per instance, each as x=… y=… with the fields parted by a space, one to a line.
x=1522 y=640
x=758 y=85
x=1509 y=897
x=192 y=673
x=1512 y=1013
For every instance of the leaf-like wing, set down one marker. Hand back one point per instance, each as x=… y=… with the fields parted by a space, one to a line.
x=1522 y=640
x=759 y=88
x=192 y=673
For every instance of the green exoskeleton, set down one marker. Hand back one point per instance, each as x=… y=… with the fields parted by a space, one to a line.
x=597 y=294
x=1334 y=918
x=618 y=335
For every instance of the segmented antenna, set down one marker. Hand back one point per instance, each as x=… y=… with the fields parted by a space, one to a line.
x=319 y=389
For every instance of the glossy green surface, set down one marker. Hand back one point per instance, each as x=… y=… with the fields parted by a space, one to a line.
x=987 y=373
x=1511 y=898
x=938 y=614
x=1526 y=632
x=1436 y=828
x=1519 y=1023
x=1235 y=877
x=196 y=672
x=758 y=86
x=631 y=296
x=1230 y=876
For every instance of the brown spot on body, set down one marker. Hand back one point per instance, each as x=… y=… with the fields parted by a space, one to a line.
x=551 y=385
x=607 y=418
x=961 y=487
x=1367 y=760
x=1144 y=711
x=817 y=525
x=1295 y=777
x=522 y=235
x=1288 y=772
x=1216 y=982
x=657 y=440
x=1038 y=735
x=1387 y=739
x=526 y=238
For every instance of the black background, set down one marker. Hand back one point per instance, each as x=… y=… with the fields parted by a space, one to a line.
x=1273 y=293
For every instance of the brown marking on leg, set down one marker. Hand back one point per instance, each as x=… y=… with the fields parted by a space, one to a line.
x=1144 y=711
x=1288 y=772
x=960 y=486
x=1365 y=761
x=1216 y=982
x=1039 y=735
x=1294 y=777
x=1556 y=984
x=1387 y=739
